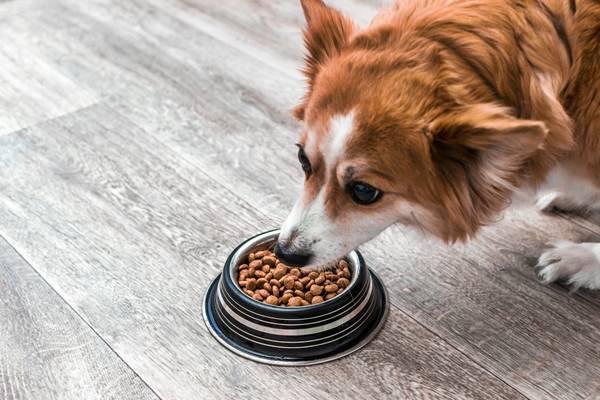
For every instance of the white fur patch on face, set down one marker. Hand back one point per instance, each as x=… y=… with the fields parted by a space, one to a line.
x=307 y=228
x=340 y=130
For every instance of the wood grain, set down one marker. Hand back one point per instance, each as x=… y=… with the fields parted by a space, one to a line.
x=131 y=235
x=46 y=350
x=31 y=89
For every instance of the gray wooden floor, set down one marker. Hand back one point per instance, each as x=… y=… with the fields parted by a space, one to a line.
x=141 y=140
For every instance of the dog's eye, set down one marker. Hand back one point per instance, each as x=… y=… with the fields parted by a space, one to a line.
x=363 y=193
x=304 y=161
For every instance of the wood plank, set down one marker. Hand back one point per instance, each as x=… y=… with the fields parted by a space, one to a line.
x=31 y=89
x=46 y=350
x=131 y=235
x=231 y=104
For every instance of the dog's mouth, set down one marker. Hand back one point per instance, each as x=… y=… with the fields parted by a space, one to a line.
x=292 y=258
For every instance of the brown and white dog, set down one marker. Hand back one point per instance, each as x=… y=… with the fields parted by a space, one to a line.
x=437 y=113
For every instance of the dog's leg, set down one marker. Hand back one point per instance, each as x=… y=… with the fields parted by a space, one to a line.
x=577 y=263
x=565 y=191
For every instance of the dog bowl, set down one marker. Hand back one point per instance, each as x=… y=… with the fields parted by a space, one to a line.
x=303 y=335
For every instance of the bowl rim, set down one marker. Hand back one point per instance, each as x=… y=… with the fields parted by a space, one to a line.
x=355 y=260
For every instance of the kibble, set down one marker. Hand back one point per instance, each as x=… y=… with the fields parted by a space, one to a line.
x=343 y=282
x=251 y=284
x=316 y=289
x=295 y=302
x=288 y=282
x=243 y=275
x=264 y=278
x=269 y=260
x=332 y=288
x=304 y=280
x=278 y=273
x=261 y=282
x=286 y=297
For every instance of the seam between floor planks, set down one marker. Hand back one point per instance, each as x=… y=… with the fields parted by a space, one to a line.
x=76 y=314
x=52 y=118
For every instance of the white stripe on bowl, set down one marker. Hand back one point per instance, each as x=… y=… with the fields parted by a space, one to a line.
x=306 y=320
x=302 y=331
x=357 y=325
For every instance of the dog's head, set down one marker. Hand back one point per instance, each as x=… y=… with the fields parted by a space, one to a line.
x=390 y=135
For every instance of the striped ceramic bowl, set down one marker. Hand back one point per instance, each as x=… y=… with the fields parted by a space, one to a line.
x=299 y=335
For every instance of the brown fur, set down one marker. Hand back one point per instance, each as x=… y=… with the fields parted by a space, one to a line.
x=450 y=108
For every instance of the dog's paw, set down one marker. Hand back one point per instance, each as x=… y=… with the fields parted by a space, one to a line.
x=577 y=263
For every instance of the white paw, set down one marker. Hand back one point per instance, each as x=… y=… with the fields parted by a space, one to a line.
x=577 y=263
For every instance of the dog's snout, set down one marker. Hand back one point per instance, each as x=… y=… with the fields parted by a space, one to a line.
x=295 y=258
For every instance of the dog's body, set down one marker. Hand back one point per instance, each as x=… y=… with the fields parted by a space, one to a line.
x=438 y=112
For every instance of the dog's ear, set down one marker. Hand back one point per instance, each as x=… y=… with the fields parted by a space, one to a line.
x=327 y=31
x=479 y=154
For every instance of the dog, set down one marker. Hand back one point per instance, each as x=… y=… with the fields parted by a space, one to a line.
x=437 y=114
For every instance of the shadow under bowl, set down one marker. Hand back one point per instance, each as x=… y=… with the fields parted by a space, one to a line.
x=291 y=336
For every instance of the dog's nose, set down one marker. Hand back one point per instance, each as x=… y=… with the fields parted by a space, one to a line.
x=289 y=258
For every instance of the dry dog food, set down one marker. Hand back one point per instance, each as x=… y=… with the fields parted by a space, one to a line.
x=267 y=280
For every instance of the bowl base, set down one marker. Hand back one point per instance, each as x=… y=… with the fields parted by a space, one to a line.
x=241 y=349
